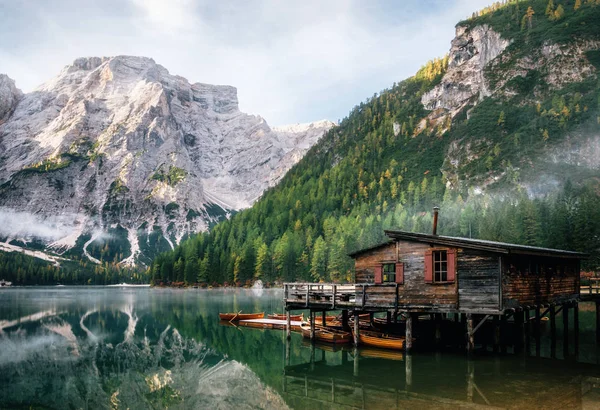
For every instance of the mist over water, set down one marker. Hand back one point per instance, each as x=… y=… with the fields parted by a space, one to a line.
x=136 y=348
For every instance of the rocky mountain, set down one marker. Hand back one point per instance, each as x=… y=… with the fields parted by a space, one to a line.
x=135 y=156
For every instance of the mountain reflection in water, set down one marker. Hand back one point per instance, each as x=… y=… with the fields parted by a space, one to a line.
x=159 y=348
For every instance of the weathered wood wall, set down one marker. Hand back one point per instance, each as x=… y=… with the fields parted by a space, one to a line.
x=414 y=293
x=478 y=276
x=364 y=263
x=484 y=281
x=530 y=280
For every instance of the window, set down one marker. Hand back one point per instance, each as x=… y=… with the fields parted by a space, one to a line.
x=440 y=266
x=389 y=272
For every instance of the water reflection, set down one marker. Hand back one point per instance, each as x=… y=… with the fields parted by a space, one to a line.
x=142 y=348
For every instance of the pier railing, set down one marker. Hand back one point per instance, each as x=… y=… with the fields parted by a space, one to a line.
x=332 y=295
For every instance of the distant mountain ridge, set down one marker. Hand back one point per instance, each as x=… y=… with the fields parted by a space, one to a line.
x=140 y=157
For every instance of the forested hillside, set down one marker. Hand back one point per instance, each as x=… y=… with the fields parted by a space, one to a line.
x=512 y=161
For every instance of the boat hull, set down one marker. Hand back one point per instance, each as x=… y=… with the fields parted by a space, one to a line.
x=283 y=317
x=327 y=335
x=381 y=340
x=240 y=316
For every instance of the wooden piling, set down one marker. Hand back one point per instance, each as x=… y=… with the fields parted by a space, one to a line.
x=438 y=329
x=519 y=337
x=470 y=334
x=356 y=327
x=565 y=315
x=496 y=334
x=503 y=332
x=345 y=324
x=552 y=331
x=324 y=318
x=576 y=327
x=312 y=325
x=409 y=333
x=388 y=317
x=538 y=347
x=598 y=321
x=527 y=330
x=288 y=325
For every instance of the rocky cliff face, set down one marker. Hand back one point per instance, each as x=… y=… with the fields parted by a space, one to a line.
x=464 y=82
x=137 y=153
x=481 y=64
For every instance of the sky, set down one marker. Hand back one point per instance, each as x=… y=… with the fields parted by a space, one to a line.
x=292 y=61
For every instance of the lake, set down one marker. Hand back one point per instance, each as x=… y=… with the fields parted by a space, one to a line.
x=138 y=348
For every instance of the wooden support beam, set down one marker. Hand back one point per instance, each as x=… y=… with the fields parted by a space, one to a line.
x=576 y=327
x=288 y=325
x=538 y=323
x=470 y=333
x=565 y=315
x=527 y=331
x=355 y=362
x=388 y=317
x=334 y=295
x=496 y=334
x=503 y=332
x=597 y=322
x=356 y=327
x=345 y=324
x=409 y=333
x=324 y=318
x=312 y=325
x=553 y=331
x=438 y=329
x=519 y=337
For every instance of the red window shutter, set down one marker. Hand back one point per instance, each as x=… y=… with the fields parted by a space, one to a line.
x=451 y=265
x=428 y=266
x=378 y=273
x=400 y=273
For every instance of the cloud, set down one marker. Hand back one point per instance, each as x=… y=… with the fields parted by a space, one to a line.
x=292 y=61
x=24 y=225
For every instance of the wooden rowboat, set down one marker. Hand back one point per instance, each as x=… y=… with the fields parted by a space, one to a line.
x=279 y=316
x=234 y=317
x=328 y=335
x=381 y=340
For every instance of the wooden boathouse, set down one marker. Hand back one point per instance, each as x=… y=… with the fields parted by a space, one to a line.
x=435 y=277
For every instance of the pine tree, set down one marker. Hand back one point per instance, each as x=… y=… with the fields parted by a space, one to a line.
x=318 y=265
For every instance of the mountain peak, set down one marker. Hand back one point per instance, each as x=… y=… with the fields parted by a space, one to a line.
x=138 y=153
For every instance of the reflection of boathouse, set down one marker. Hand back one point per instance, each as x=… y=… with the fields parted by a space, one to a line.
x=346 y=379
x=440 y=278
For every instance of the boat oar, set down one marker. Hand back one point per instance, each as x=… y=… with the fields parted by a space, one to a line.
x=236 y=315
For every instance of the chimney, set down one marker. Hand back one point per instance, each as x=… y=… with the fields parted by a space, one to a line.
x=435 y=218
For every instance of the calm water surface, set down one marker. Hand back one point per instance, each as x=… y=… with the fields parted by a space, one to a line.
x=80 y=348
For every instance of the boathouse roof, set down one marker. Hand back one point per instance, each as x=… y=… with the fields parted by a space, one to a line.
x=477 y=244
